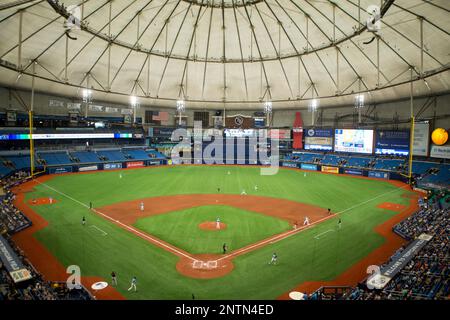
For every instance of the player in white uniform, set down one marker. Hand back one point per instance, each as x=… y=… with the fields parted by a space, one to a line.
x=256 y=188
x=306 y=221
x=218 y=223
x=120 y=175
x=142 y=206
x=274 y=259
x=50 y=200
x=243 y=193
x=133 y=284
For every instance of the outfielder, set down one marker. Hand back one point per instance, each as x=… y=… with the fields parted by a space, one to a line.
x=274 y=259
x=133 y=284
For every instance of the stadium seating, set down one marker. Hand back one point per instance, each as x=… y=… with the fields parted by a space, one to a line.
x=111 y=155
x=85 y=156
x=55 y=158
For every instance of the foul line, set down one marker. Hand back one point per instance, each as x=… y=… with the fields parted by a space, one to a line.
x=321 y=234
x=94 y=226
x=142 y=235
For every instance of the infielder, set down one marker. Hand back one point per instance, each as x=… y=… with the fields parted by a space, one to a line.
x=142 y=206
x=243 y=193
x=50 y=200
x=83 y=221
x=113 y=278
x=256 y=188
x=133 y=284
x=306 y=222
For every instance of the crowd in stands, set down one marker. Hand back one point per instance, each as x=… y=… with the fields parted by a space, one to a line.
x=11 y=221
x=427 y=275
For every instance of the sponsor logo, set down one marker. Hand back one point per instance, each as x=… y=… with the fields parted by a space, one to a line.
x=111 y=166
x=377 y=174
x=311 y=132
x=330 y=169
x=354 y=172
x=306 y=166
x=289 y=164
x=135 y=164
x=89 y=168
x=60 y=170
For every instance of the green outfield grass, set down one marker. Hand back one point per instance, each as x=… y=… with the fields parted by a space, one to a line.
x=181 y=229
x=301 y=257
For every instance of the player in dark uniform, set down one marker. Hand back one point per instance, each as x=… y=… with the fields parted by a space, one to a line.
x=83 y=221
x=113 y=278
x=90 y=205
x=329 y=211
x=225 y=248
x=339 y=223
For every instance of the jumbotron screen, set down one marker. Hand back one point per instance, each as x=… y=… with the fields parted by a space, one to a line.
x=353 y=140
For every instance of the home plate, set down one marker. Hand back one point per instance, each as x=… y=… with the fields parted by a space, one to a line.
x=295 y=295
x=99 y=285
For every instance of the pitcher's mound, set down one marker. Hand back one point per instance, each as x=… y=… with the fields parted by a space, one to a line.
x=205 y=266
x=212 y=226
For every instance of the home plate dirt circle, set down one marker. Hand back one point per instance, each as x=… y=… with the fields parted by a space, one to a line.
x=205 y=266
x=212 y=226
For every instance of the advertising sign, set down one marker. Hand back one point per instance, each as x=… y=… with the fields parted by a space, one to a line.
x=88 y=168
x=421 y=138
x=378 y=174
x=112 y=166
x=135 y=164
x=58 y=170
x=12 y=262
x=289 y=164
x=392 y=142
x=354 y=172
x=306 y=166
x=442 y=152
x=330 y=169
x=318 y=139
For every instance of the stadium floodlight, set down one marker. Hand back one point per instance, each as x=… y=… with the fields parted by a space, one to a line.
x=313 y=105
x=359 y=101
x=268 y=107
x=133 y=101
x=87 y=95
x=181 y=106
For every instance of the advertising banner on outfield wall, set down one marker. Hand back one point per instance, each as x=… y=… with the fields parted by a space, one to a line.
x=353 y=172
x=330 y=169
x=12 y=262
x=112 y=166
x=306 y=166
x=59 y=170
x=378 y=174
x=289 y=164
x=135 y=164
x=442 y=152
x=421 y=138
x=88 y=168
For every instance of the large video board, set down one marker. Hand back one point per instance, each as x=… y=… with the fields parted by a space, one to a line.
x=353 y=140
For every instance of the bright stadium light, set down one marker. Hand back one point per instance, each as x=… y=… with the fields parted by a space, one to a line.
x=359 y=101
x=313 y=105
x=87 y=95
x=268 y=107
x=181 y=106
x=133 y=101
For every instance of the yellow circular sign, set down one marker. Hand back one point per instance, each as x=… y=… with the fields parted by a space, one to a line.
x=439 y=136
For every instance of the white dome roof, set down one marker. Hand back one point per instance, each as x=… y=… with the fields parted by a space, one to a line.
x=232 y=52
